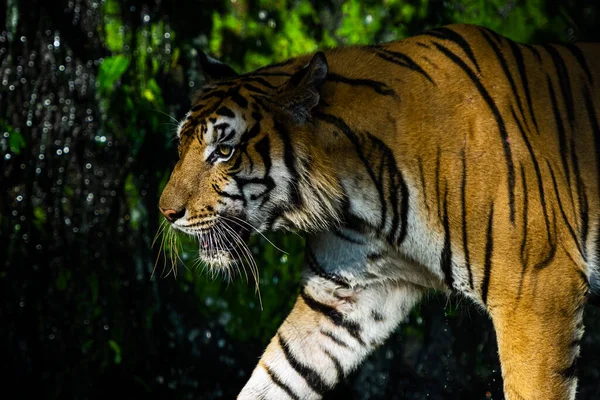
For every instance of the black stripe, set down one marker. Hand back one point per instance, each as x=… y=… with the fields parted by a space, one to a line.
x=263 y=148
x=289 y=159
x=255 y=89
x=538 y=173
x=552 y=253
x=312 y=377
x=262 y=81
x=317 y=269
x=582 y=201
x=516 y=51
x=334 y=338
x=282 y=385
x=564 y=82
x=534 y=51
x=499 y=120
x=351 y=135
x=524 y=250
x=505 y=69
x=449 y=34
x=446 y=257
x=489 y=249
x=423 y=185
x=334 y=316
x=396 y=181
x=498 y=38
x=463 y=200
x=239 y=99
x=379 y=87
x=272 y=66
x=225 y=111
x=570 y=372
x=402 y=60
x=337 y=365
x=337 y=232
x=580 y=57
x=437 y=182
x=223 y=193
x=562 y=210
x=560 y=131
x=377 y=316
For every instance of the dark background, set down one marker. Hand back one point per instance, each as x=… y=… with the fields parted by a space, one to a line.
x=87 y=92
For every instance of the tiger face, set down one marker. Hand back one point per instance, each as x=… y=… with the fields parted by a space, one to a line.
x=246 y=156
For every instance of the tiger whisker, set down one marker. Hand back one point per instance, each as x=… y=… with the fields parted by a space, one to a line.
x=252 y=262
x=241 y=221
x=236 y=252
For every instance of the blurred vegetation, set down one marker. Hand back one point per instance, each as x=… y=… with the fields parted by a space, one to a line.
x=89 y=97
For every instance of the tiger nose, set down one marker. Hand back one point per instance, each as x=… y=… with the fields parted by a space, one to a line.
x=172 y=215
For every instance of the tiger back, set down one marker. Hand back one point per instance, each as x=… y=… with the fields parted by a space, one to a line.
x=455 y=160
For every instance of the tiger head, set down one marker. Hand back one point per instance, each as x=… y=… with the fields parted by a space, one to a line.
x=249 y=160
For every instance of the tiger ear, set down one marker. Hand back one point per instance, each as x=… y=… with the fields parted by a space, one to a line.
x=301 y=93
x=214 y=70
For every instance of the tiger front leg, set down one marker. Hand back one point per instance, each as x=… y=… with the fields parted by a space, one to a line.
x=539 y=333
x=328 y=333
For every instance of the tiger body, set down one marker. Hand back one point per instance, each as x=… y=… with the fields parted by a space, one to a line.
x=456 y=160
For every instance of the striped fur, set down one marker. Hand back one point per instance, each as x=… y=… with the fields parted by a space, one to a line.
x=456 y=160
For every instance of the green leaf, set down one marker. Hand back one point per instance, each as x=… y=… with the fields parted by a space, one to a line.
x=115 y=37
x=117 y=349
x=39 y=217
x=111 y=70
x=16 y=142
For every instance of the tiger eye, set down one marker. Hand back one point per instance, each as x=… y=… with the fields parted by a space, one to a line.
x=224 y=150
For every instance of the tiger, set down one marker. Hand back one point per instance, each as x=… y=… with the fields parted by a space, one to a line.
x=456 y=160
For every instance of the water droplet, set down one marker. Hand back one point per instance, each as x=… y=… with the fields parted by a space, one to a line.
x=19 y=198
x=88 y=166
x=106 y=327
x=146 y=18
x=23 y=39
x=7 y=156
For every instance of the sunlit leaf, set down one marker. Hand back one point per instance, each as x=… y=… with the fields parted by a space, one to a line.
x=111 y=70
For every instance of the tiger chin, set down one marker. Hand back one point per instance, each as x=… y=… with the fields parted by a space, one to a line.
x=455 y=160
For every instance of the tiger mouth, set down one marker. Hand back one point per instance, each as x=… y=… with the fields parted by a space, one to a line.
x=219 y=238
x=222 y=244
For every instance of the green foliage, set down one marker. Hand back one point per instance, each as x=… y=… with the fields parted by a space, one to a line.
x=516 y=20
x=111 y=71
x=16 y=141
x=117 y=350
